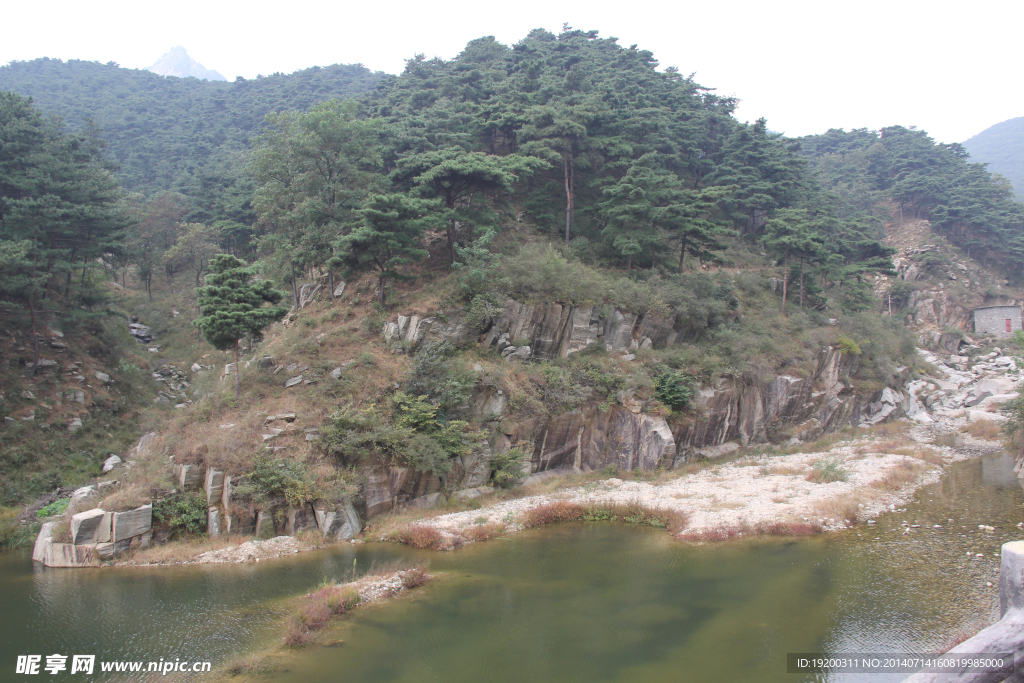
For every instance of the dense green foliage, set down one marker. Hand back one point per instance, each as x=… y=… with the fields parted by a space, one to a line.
x=411 y=432
x=179 y=134
x=963 y=201
x=1001 y=147
x=233 y=304
x=182 y=513
x=61 y=214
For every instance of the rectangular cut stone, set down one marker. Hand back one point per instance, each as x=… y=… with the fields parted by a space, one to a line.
x=264 y=525
x=213 y=522
x=132 y=523
x=91 y=526
x=70 y=555
x=213 y=485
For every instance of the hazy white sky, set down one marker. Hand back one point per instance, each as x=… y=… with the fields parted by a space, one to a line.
x=805 y=66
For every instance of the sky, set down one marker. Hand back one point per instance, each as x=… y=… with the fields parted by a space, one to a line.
x=804 y=66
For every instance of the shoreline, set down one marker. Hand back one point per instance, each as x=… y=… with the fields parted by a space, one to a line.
x=752 y=495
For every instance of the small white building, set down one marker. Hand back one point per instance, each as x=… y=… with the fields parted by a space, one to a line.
x=1002 y=321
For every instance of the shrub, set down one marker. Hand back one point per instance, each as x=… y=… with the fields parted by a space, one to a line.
x=443 y=379
x=825 y=470
x=848 y=346
x=507 y=467
x=57 y=507
x=674 y=389
x=424 y=537
x=272 y=478
x=182 y=513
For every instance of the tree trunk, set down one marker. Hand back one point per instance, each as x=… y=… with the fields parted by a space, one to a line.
x=330 y=281
x=682 y=254
x=785 y=279
x=238 y=369
x=35 y=337
x=381 y=282
x=295 y=292
x=451 y=241
x=568 y=199
x=149 y=287
x=81 y=288
x=629 y=263
x=801 y=282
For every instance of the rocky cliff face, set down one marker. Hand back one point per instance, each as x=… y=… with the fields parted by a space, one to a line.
x=732 y=412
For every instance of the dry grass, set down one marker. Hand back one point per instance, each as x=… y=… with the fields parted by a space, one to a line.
x=947 y=439
x=333 y=599
x=905 y=472
x=483 y=532
x=184 y=550
x=632 y=513
x=988 y=430
x=255 y=665
x=787 y=470
x=840 y=508
x=425 y=538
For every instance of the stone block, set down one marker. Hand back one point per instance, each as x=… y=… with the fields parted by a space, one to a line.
x=213 y=486
x=213 y=522
x=299 y=519
x=111 y=462
x=43 y=541
x=132 y=523
x=338 y=521
x=264 y=525
x=70 y=555
x=91 y=526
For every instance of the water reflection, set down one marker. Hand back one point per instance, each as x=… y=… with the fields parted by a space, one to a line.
x=587 y=602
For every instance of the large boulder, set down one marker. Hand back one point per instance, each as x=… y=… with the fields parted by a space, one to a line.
x=91 y=526
x=338 y=521
x=132 y=523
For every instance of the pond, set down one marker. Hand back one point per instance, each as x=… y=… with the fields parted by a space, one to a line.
x=571 y=602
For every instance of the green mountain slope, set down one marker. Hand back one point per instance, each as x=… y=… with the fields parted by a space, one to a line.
x=180 y=134
x=1002 y=147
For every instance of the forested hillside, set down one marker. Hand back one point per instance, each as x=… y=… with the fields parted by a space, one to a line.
x=178 y=134
x=561 y=177
x=1001 y=147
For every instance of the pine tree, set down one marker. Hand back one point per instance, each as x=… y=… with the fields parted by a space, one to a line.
x=233 y=306
x=387 y=238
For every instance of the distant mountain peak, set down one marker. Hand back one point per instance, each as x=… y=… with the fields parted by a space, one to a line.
x=177 y=63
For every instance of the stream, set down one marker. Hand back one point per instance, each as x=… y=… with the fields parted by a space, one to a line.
x=572 y=602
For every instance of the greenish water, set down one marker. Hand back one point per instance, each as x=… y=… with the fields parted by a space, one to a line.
x=573 y=602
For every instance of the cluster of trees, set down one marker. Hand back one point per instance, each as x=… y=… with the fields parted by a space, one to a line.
x=974 y=209
x=630 y=166
x=633 y=166
x=180 y=135
x=61 y=214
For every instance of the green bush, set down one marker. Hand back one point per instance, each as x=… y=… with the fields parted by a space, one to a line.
x=674 y=389
x=848 y=346
x=274 y=478
x=183 y=514
x=507 y=467
x=825 y=470
x=57 y=507
x=441 y=377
